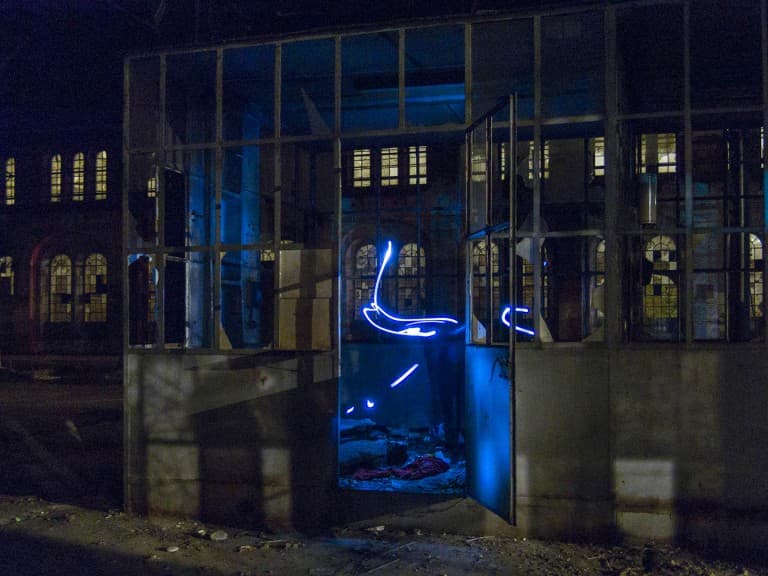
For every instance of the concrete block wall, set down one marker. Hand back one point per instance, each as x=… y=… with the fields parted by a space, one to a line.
x=642 y=442
x=248 y=440
x=653 y=442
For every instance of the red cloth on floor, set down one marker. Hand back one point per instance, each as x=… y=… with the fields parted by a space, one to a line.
x=422 y=467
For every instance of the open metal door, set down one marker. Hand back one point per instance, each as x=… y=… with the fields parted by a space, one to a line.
x=489 y=353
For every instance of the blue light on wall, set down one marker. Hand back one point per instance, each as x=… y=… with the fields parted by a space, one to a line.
x=391 y=324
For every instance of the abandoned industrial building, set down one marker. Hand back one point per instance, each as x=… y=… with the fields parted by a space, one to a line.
x=60 y=289
x=511 y=261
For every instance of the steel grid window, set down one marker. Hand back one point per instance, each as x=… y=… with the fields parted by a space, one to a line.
x=60 y=289
x=361 y=168
x=366 y=266
x=95 y=292
x=600 y=263
x=56 y=178
x=417 y=165
x=411 y=265
x=389 y=167
x=484 y=263
x=10 y=181
x=544 y=161
x=101 y=175
x=6 y=276
x=78 y=177
x=658 y=153
x=526 y=281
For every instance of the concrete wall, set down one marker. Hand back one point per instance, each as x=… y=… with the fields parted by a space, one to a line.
x=563 y=447
x=645 y=442
x=247 y=439
x=660 y=443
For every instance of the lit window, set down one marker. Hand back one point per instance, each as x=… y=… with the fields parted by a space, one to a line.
x=366 y=267
x=755 y=276
x=78 y=177
x=56 y=178
x=10 y=181
x=417 y=165
x=597 y=147
x=95 y=288
x=152 y=187
x=267 y=255
x=101 y=175
x=389 y=167
x=60 y=292
x=479 y=165
x=658 y=153
x=660 y=294
x=503 y=160
x=6 y=276
x=361 y=168
x=410 y=285
x=544 y=161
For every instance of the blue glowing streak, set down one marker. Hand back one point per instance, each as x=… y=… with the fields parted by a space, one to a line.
x=403 y=376
x=350 y=410
x=373 y=313
x=505 y=319
x=370 y=403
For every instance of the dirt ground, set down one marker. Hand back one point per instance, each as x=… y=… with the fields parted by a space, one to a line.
x=60 y=514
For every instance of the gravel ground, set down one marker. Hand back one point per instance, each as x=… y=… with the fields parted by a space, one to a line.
x=41 y=537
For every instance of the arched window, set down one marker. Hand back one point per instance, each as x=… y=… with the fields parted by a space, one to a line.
x=10 y=181
x=78 y=177
x=484 y=264
x=366 y=267
x=660 y=294
x=6 y=276
x=411 y=292
x=56 y=178
x=60 y=289
x=755 y=276
x=152 y=187
x=101 y=175
x=95 y=288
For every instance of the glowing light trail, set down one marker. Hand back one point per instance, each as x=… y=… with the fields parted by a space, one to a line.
x=404 y=375
x=505 y=319
x=391 y=324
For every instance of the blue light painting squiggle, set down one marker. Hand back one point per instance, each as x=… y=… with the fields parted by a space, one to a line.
x=391 y=324
x=403 y=376
x=370 y=404
x=505 y=319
